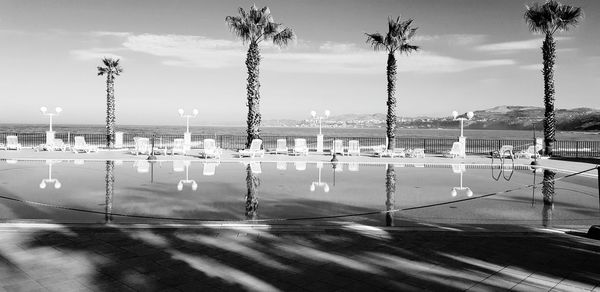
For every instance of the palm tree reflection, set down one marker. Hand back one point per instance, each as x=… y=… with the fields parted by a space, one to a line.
x=110 y=181
x=548 y=196
x=252 y=183
x=390 y=191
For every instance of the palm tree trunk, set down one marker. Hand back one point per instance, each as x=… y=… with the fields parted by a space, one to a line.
x=110 y=180
x=253 y=89
x=110 y=111
x=548 y=196
x=391 y=101
x=390 y=191
x=549 y=55
x=252 y=183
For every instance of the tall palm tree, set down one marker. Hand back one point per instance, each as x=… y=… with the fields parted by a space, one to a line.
x=549 y=18
x=397 y=39
x=253 y=27
x=111 y=69
x=548 y=196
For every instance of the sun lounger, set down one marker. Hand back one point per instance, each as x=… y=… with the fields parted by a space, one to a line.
x=210 y=149
x=353 y=147
x=338 y=147
x=505 y=151
x=530 y=152
x=141 y=146
x=82 y=146
x=456 y=151
x=178 y=147
x=417 y=153
x=12 y=143
x=2 y=146
x=300 y=147
x=281 y=147
x=382 y=151
x=255 y=150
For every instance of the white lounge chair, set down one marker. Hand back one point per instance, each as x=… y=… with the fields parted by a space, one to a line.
x=530 y=152
x=300 y=147
x=141 y=146
x=417 y=153
x=2 y=146
x=210 y=168
x=456 y=151
x=254 y=150
x=12 y=143
x=338 y=147
x=505 y=151
x=382 y=151
x=82 y=146
x=59 y=145
x=178 y=147
x=353 y=147
x=281 y=147
x=210 y=149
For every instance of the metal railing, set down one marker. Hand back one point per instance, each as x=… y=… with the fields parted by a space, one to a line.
x=579 y=149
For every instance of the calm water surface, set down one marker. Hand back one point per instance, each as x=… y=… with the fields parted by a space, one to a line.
x=179 y=191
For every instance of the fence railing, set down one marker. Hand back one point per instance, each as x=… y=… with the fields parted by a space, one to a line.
x=581 y=149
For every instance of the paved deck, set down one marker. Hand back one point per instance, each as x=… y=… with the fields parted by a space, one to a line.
x=330 y=256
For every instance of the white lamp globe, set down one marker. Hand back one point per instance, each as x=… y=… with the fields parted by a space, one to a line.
x=455 y=114
x=58 y=110
x=43 y=185
x=43 y=109
x=313 y=114
x=327 y=113
x=180 y=186
x=312 y=187
x=57 y=185
x=326 y=188
x=453 y=193
x=195 y=112
x=469 y=193
x=194 y=186
x=470 y=115
x=180 y=111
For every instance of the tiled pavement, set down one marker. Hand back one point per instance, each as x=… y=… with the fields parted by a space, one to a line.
x=333 y=257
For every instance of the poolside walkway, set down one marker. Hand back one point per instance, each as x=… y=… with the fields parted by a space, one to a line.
x=306 y=256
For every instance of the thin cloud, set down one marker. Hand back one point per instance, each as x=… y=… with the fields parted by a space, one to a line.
x=536 y=67
x=327 y=58
x=95 y=54
x=508 y=47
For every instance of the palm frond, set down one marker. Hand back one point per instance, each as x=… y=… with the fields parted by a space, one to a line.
x=101 y=71
x=407 y=48
x=284 y=37
x=376 y=40
x=552 y=16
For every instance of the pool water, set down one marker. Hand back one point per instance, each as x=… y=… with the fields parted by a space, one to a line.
x=292 y=192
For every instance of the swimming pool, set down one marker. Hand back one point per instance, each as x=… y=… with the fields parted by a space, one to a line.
x=79 y=191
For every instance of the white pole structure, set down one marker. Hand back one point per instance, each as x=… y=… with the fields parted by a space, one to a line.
x=454 y=192
x=319 y=183
x=50 y=180
x=320 y=135
x=187 y=136
x=462 y=139
x=187 y=179
x=50 y=133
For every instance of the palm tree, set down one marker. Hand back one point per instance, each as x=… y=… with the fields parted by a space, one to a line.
x=253 y=27
x=548 y=196
x=111 y=69
x=397 y=39
x=549 y=18
x=110 y=188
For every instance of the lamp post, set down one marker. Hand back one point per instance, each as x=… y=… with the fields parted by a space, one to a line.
x=462 y=139
x=460 y=169
x=50 y=133
x=319 y=183
x=187 y=179
x=187 y=136
x=50 y=180
x=320 y=136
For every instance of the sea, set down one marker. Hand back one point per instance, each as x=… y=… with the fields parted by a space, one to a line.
x=148 y=130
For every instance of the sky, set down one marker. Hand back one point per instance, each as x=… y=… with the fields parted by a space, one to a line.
x=475 y=54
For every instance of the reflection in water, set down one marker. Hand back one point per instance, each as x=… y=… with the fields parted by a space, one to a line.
x=252 y=183
x=390 y=192
x=319 y=183
x=110 y=181
x=460 y=169
x=50 y=180
x=548 y=196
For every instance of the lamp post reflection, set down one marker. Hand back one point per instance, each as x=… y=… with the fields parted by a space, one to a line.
x=390 y=193
x=50 y=180
x=548 y=196
x=187 y=179
x=252 y=184
x=460 y=169
x=319 y=183
x=110 y=183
